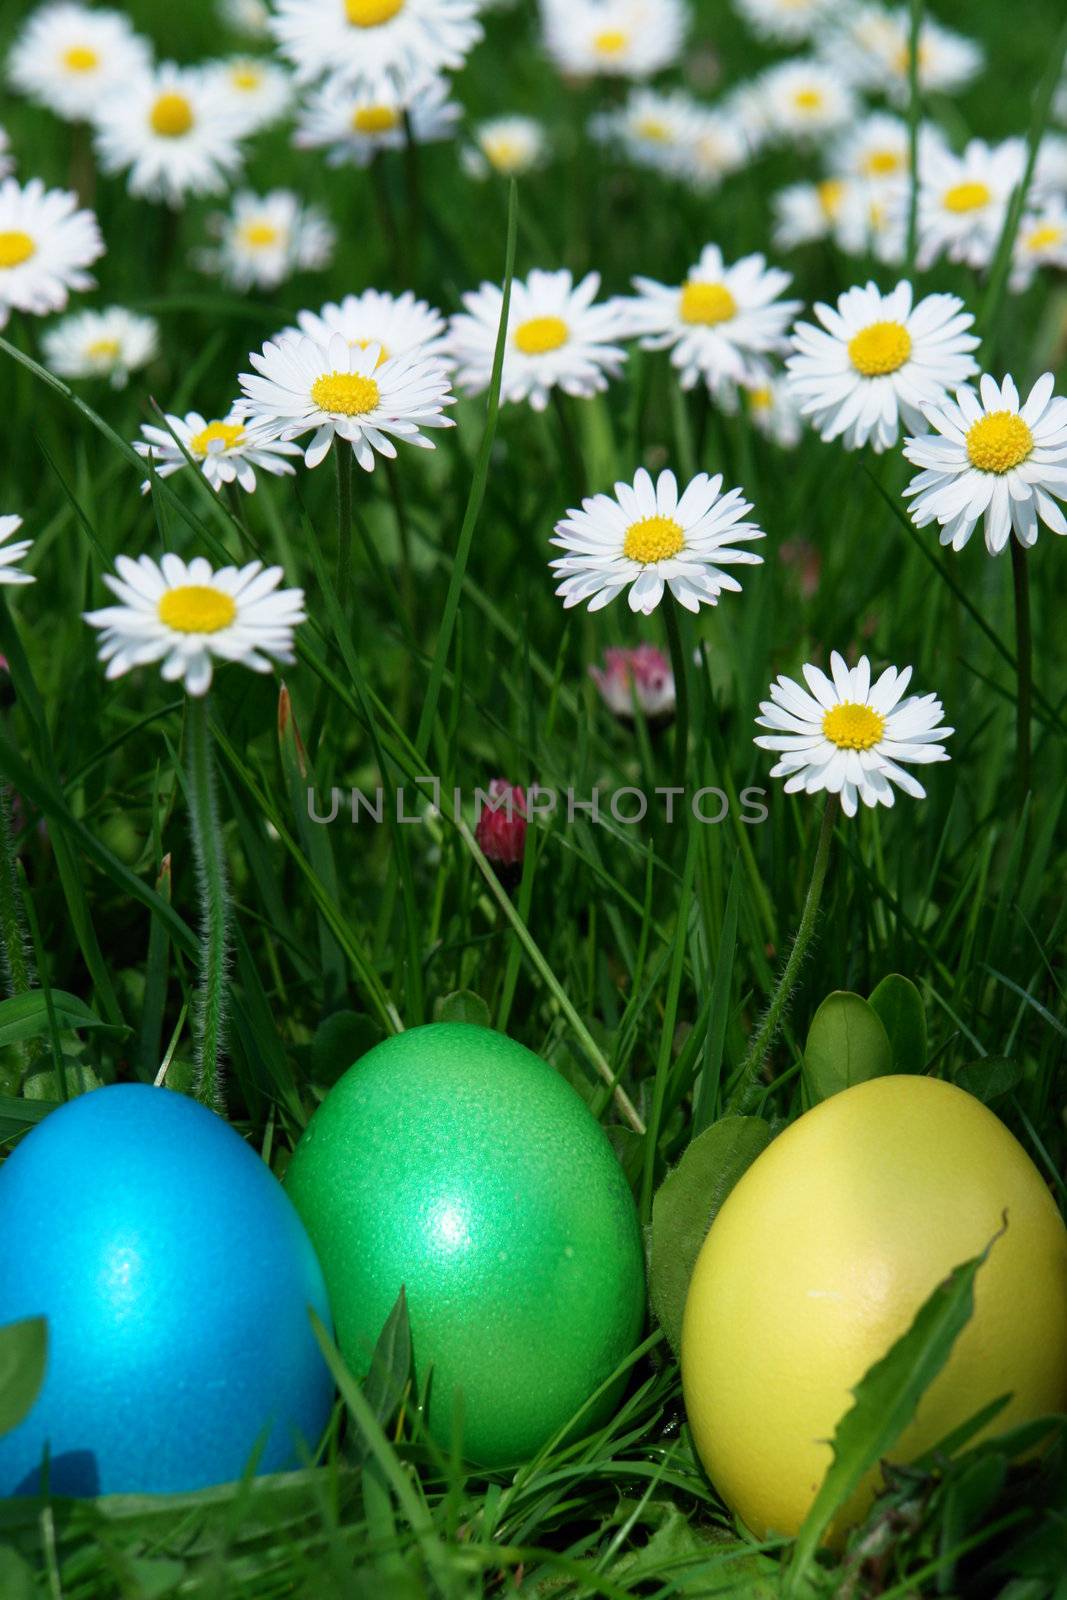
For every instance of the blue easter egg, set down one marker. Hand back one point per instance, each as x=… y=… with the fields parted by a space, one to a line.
x=176 y=1278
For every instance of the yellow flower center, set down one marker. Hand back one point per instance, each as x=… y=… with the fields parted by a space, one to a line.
x=371 y=13
x=15 y=248
x=345 y=393
x=964 y=197
x=80 y=58
x=831 y=194
x=653 y=539
x=375 y=119
x=541 y=335
x=503 y=153
x=707 y=304
x=194 y=608
x=246 y=78
x=883 y=163
x=365 y=344
x=1043 y=236
x=652 y=128
x=171 y=116
x=228 y=434
x=853 y=727
x=760 y=399
x=883 y=347
x=612 y=42
x=808 y=99
x=998 y=442
x=103 y=350
x=259 y=235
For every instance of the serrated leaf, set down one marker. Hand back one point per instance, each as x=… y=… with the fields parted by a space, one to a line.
x=847 y=1044
x=903 y=1015
x=990 y=1078
x=23 y=1357
x=463 y=1005
x=687 y=1203
x=885 y=1400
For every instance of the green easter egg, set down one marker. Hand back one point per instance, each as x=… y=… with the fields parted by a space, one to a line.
x=455 y=1163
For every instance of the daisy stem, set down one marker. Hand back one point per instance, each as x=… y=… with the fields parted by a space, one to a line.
x=679 y=667
x=413 y=186
x=918 y=8
x=747 y=1091
x=343 y=453
x=1020 y=572
x=214 y=904
x=572 y=455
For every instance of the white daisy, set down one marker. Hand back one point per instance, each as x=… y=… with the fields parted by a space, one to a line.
x=784 y=21
x=720 y=325
x=773 y=411
x=250 y=17
x=877 y=149
x=400 y=325
x=348 y=393
x=264 y=239
x=363 y=42
x=227 y=450
x=353 y=125
x=1050 y=169
x=991 y=457
x=872 y=220
x=746 y=109
x=1040 y=242
x=556 y=338
x=849 y=736
x=647 y=539
x=806 y=212
x=46 y=243
x=256 y=91
x=963 y=200
x=170 y=131
x=653 y=130
x=7 y=160
x=614 y=38
x=806 y=100
x=718 y=147
x=189 y=617
x=12 y=554
x=101 y=344
x=878 y=358
x=871 y=46
x=510 y=146
x=69 y=57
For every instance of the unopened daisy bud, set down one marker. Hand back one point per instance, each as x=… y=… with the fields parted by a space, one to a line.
x=500 y=831
x=642 y=675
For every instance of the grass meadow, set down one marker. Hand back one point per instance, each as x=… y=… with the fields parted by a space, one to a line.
x=638 y=955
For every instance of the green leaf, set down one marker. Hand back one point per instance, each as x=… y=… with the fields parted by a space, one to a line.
x=23 y=1357
x=78 y=1078
x=990 y=1078
x=900 y=1007
x=885 y=1401
x=25 y=1016
x=16 y=1578
x=687 y=1203
x=17 y=1115
x=847 y=1044
x=339 y=1041
x=390 y=1367
x=462 y=1006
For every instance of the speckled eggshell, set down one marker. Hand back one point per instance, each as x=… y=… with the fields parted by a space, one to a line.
x=176 y=1278
x=454 y=1162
